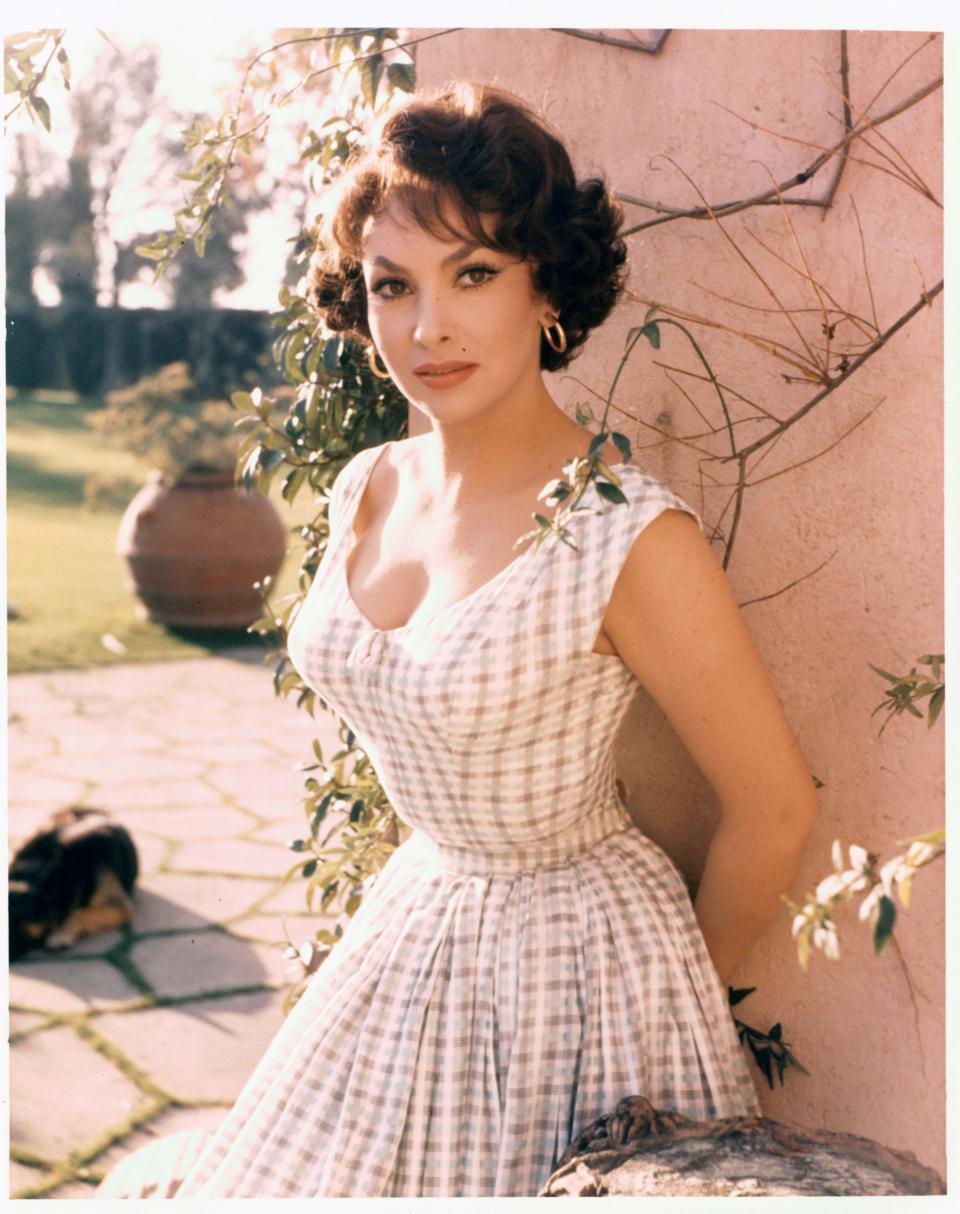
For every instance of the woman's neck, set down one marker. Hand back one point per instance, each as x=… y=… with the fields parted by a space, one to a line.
x=498 y=455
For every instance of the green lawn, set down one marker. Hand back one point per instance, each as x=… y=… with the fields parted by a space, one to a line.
x=63 y=579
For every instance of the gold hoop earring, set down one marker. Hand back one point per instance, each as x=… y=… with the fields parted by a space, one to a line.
x=372 y=361
x=559 y=343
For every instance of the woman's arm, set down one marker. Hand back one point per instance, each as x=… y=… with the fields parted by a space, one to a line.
x=674 y=621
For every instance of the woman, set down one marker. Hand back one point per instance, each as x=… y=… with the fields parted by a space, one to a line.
x=527 y=957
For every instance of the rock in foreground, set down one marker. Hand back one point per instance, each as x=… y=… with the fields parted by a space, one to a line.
x=637 y=1151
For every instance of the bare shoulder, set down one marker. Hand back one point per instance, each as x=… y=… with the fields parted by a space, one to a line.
x=676 y=624
x=671 y=581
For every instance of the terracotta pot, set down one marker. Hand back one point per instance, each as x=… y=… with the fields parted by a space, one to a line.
x=194 y=547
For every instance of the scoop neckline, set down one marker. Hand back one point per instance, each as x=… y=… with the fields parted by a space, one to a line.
x=417 y=622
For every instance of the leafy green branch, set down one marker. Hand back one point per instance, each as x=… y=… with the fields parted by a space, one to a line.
x=907 y=689
x=813 y=924
x=769 y=1049
x=361 y=52
x=22 y=76
x=580 y=472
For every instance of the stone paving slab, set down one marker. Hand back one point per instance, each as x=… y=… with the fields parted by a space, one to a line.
x=245 y=856
x=226 y=750
x=68 y=985
x=84 y=737
x=291 y=897
x=214 y=821
x=253 y=785
x=166 y=900
x=129 y=795
x=37 y=788
x=204 y=1050
x=197 y=760
x=75 y=1093
x=74 y=1190
x=283 y=831
x=21 y=1021
x=271 y=929
x=205 y=962
x=23 y=1177
x=123 y=767
x=95 y=946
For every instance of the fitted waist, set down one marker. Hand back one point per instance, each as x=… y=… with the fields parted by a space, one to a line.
x=594 y=825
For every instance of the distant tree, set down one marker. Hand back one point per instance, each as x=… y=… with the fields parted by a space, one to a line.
x=21 y=232
x=110 y=106
x=66 y=218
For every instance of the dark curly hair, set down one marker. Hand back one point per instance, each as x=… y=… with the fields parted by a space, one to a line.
x=456 y=156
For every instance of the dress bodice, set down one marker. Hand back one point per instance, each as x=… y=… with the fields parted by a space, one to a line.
x=490 y=723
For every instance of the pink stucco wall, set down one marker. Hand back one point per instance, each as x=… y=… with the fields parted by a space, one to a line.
x=871 y=507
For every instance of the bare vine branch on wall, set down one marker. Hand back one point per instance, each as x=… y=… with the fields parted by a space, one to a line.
x=771 y=197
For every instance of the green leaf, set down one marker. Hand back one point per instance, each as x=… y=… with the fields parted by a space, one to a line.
x=936 y=705
x=651 y=312
x=651 y=332
x=883 y=928
x=610 y=493
x=331 y=353
x=309 y=868
x=622 y=444
x=156 y=251
x=737 y=995
x=776 y=1032
x=597 y=442
x=631 y=335
x=42 y=110
x=763 y=1056
x=268 y=459
x=292 y=483
x=891 y=678
x=402 y=76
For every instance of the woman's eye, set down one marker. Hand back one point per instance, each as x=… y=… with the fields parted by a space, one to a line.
x=389 y=288
x=476 y=276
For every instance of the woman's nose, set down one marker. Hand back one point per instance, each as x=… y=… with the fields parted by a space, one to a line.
x=432 y=322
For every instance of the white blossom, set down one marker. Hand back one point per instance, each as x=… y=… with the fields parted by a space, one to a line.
x=830 y=887
x=825 y=937
x=920 y=853
x=869 y=903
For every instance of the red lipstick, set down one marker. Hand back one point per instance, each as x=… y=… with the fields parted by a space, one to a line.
x=444 y=375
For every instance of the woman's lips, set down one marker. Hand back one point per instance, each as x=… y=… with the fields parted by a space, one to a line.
x=444 y=375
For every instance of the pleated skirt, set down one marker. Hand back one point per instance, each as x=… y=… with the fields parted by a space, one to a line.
x=466 y=1028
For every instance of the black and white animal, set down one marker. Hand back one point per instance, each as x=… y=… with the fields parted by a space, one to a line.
x=72 y=878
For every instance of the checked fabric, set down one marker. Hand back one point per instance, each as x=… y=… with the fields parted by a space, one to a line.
x=527 y=957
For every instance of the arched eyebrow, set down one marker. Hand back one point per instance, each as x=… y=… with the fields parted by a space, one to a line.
x=458 y=254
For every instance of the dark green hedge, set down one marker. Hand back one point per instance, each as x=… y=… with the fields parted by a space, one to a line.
x=93 y=349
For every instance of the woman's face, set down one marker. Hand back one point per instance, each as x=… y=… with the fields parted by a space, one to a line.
x=457 y=324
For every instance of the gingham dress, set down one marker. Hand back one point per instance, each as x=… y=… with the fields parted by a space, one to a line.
x=527 y=957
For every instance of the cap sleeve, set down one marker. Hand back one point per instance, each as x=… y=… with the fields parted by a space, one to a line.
x=585 y=577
